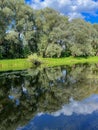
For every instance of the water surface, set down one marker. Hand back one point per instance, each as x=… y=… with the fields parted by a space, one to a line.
x=58 y=98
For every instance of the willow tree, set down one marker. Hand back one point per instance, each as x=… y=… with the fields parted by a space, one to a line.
x=51 y=31
x=5 y=18
x=80 y=36
x=17 y=27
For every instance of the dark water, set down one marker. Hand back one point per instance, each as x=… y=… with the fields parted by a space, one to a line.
x=59 y=98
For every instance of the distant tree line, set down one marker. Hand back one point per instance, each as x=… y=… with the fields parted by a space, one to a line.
x=24 y=31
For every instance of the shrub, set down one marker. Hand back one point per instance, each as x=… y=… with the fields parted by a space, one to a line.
x=35 y=59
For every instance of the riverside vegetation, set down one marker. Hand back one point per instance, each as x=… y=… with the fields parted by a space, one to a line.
x=47 y=39
x=21 y=64
x=46 y=32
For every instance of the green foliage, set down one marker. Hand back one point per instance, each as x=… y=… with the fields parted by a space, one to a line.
x=1 y=52
x=42 y=46
x=45 y=32
x=12 y=37
x=81 y=50
x=53 y=50
x=26 y=51
x=35 y=59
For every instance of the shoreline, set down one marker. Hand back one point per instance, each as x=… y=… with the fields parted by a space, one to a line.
x=21 y=64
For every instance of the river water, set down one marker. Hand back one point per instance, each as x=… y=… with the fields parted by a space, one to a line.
x=55 y=98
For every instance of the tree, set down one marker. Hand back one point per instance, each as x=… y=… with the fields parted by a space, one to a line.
x=53 y=50
x=5 y=18
x=24 y=30
x=80 y=35
x=16 y=20
x=51 y=30
x=42 y=45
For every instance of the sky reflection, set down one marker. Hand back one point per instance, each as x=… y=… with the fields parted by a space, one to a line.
x=87 y=106
x=77 y=115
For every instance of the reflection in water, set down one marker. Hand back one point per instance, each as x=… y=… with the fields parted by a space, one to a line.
x=77 y=115
x=84 y=107
x=59 y=92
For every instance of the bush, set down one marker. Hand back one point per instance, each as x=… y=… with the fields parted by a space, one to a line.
x=35 y=59
x=53 y=50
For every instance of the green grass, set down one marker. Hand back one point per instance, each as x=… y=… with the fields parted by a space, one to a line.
x=21 y=64
x=68 y=61
x=14 y=64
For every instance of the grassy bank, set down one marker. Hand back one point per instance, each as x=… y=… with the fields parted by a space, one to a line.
x=20 y=64
x=68 y=61
x=14 y=64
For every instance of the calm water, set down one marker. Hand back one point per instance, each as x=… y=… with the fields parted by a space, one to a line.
x=59 y=98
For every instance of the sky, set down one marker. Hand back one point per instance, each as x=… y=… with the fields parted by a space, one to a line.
x=85 y=9
x=84 y=107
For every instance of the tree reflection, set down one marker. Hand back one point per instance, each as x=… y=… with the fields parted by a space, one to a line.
x=25 y=93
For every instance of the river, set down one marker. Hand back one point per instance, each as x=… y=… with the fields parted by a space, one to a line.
x=54 y=98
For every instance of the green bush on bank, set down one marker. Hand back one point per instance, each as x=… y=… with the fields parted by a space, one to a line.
x=35 y=59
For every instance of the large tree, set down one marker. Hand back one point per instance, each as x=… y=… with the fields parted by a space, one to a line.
x=80 y=36
x=46 y=32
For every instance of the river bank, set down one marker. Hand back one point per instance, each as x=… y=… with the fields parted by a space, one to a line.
x=21 y=64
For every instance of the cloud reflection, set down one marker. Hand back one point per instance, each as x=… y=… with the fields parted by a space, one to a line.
x=49 y=122
x=87 y=106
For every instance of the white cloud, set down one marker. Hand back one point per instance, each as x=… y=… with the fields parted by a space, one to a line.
x=73 y=15
x=87 y=106
x=72 y=8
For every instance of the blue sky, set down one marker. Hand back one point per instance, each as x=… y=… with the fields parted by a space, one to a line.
x=86 y=9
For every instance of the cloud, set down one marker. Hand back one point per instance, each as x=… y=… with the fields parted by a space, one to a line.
x=74 y=15
x=85 y=107
x=72 y=8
